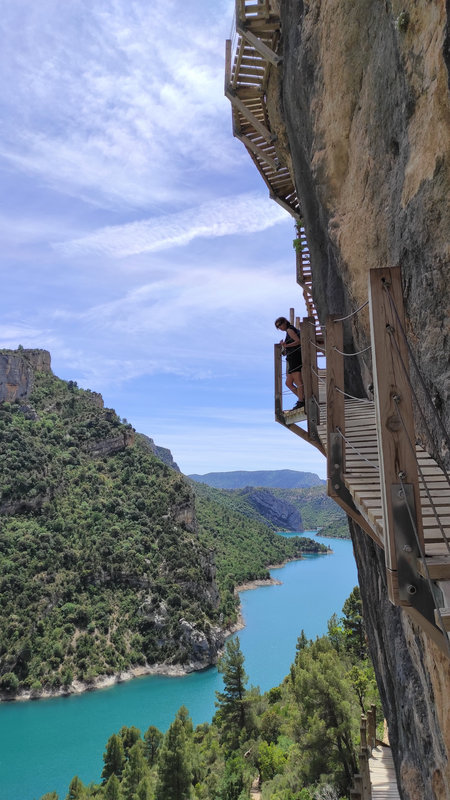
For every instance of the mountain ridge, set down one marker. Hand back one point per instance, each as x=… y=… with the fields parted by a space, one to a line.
x=272 y=479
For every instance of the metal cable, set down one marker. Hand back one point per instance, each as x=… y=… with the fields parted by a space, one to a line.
x=318 y=346
x=415 y=365
x=351 y=397
x=422 y=476
x=424 y=562
x=353 y=354
x=416 y=399
x=353 y=313
x=374 y=466
x=318 y=376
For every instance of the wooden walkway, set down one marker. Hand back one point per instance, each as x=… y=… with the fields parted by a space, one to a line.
x=383 y=780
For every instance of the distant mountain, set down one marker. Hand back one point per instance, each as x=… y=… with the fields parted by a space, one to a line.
x=270 y=479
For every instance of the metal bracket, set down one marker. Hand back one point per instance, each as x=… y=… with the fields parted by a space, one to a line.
x=413 y=589
x=335 y=462
x=312 y=411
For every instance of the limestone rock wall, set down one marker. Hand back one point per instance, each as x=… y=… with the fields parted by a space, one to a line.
x=282 y=514
x=363 y=96
x=16 y=372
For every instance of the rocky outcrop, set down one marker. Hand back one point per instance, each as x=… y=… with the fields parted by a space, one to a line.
x=107 y=447
x=163 y=453
x=16 y=372
x=363 y=96
x=276 y=512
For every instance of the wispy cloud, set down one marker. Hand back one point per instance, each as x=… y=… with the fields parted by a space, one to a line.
x=115 y=115
x=247 y=213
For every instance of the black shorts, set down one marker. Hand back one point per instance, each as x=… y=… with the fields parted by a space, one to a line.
x=294 y=361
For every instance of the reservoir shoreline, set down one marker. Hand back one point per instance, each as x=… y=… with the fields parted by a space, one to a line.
x=166 y=670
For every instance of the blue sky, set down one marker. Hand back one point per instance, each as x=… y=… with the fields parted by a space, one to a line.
x=139 y=244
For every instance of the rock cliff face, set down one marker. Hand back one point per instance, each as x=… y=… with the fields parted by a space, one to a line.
x=163 y=453
x=16 y=372
x=280 y=513
x=362 y=109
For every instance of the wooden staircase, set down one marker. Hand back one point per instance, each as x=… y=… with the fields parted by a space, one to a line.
x=249 y=58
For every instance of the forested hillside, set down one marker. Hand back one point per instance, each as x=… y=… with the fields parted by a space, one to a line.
x=295 y=742
x=314 y=508
x=105 y=564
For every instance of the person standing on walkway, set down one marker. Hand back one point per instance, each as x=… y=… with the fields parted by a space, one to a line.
x=293 y=351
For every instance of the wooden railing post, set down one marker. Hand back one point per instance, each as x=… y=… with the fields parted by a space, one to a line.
x=396 y=440
x=335 y=406
x=364 y=770
x=278 y=367
x=372 y=726
x=310 y=382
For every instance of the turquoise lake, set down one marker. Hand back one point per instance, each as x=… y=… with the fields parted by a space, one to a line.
x=44 y=743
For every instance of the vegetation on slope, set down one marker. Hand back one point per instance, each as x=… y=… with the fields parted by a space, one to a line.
x=102 y=564
x=295 y=742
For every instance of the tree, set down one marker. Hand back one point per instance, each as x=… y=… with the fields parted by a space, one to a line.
x=114 y=758
x=76 y=789
x=135 y=770
x=152 y=742
x=174 y=769
x=231 y=715
x=354 y=624
x=233 y=783
x=129 y=737
x=145 y=790
x=325 y=732
x=112 y=789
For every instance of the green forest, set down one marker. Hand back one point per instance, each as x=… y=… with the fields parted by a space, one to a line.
x=107 y=556
x=295 y=742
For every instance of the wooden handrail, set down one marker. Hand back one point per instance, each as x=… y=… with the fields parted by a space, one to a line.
x=335 y=406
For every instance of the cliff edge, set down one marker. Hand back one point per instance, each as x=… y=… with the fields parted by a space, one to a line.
x=360 y=104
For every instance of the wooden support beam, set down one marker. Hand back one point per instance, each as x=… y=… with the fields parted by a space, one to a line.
x=372 y=727
x=294 y=210
x=227 y=65
x=237 y=103
x=259 y=45
x=255 y=150
x=278 y=364
x=395 y=431
x=335 y=407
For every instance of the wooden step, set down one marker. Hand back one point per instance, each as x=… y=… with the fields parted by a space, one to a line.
x=438 y=568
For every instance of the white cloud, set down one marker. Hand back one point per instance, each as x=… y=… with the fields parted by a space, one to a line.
x=247 y=213
x=109 y=102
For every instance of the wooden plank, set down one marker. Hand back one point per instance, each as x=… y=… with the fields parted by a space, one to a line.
x=396 y=457
x=251 y=118
x=259 y=45
x=438 y=568
x=257 y=152
x=335 y=405
x=278 y=365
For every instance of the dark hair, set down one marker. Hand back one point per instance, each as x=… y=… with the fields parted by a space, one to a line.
x=281 y=321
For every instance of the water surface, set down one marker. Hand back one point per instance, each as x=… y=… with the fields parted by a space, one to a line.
x=44 y=743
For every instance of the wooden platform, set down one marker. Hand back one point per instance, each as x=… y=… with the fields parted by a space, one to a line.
x=382 y=774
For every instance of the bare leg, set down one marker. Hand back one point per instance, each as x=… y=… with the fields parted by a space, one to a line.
x=298 y=383
x=291 y=383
